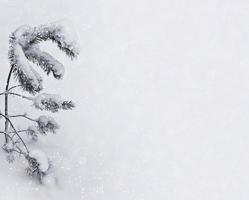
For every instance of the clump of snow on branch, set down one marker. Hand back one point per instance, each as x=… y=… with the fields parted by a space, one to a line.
x=24 y=48
x=47 y=124
x=52 y=102
x=30 y=80
x=62 y=33
x=38 y=160
x=39 y=164
x=10 y=157
x=33 y=131
x=45 y=60
x=8 y=147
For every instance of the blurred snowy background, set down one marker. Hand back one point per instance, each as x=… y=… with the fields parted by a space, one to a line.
x=162 y=95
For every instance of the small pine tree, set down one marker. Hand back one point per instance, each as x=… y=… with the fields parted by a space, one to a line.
x=24 y=48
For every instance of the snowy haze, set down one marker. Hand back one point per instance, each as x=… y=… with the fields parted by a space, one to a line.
x=162 y=95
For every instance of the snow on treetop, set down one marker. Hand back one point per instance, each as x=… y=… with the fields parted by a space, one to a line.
x=41 y=159
x=24 y=47
x=23 y=35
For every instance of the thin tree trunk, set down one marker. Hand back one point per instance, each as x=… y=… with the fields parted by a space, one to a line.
x=6 y=105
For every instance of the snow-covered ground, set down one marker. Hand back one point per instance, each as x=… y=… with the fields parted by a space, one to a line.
x=162 y=95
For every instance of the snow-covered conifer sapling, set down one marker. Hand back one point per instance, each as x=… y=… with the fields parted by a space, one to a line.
x=24 y=49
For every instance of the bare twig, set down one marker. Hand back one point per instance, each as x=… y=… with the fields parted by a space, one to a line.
x=19 y=95
x=11 y=88
x=24 y=116
x=16 y=133
x=16 y=94
x=20 y=151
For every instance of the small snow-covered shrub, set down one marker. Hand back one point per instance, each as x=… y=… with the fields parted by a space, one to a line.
x=24 y=49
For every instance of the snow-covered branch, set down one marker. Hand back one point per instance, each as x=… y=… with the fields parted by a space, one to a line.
x=28 y=78
x=47 y=124
x=45 y=60
x=60 y=32
x=24 y=48
x=52 y=102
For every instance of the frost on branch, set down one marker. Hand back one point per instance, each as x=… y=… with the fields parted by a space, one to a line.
x=47 y=124
x=52 y=102
x=38 y=164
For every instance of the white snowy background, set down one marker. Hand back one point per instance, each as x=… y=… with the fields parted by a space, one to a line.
x=162 y=95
